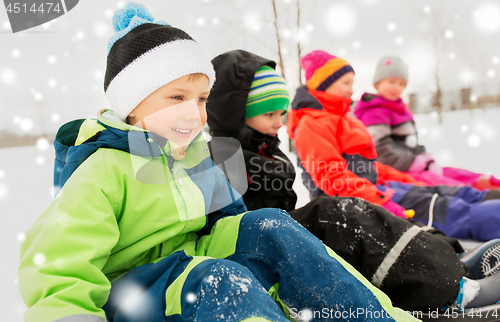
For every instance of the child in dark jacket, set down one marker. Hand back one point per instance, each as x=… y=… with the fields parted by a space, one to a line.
x=338 y=155
x=392 y=127
x=147 y=228
x=246 y=104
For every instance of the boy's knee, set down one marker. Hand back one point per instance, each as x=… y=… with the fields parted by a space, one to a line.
x=267 y=217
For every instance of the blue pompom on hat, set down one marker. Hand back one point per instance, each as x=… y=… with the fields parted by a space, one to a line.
x=145 y=55
x=122 y=18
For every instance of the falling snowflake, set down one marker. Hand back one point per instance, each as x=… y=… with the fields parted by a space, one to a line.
x=487 y=17
x=343 y=52
x=101 y=29
x=191 y=297
x=452 y=56
x=98 y=74
x=39 y=160
x=399 y=40
x=473 y=98
x=391 y=26
x=215 y=21
x=26 y=124
x=286 y=33
x=108 y=13
x=80 y=35
x=356 y=44
x=251 y=21
x=42 y=144
x=491 y=73
x=474 y=140
x=21 y=236
x=464 y=128
x=55 y=117
x=39 y=259
x=16 y=119
x=38 y=96
x=52 y=59
x=6 y=25
x=200 y=21
x=52 y=82
x=2 y=173
x=16 y=53
x=305 y=315
x=8 y=76
x=340 y=19
x=467 y=76
x=309 y=27
x=448 y=34
x=495 y=60
x=427 y=9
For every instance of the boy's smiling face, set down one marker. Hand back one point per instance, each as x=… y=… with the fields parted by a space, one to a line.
x=391 y=88
x=175 y=111
x=342 y=86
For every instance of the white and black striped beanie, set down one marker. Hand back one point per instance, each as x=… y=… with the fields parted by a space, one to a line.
x=144 y=55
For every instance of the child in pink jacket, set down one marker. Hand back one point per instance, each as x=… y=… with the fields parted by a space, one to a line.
x=392 y=127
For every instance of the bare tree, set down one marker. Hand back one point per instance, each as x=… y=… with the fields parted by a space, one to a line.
x=299 y=49
x=278 y=39
x=437 y=21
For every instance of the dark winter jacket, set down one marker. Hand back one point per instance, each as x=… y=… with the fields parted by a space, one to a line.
x=270 y=173
x=392 y=127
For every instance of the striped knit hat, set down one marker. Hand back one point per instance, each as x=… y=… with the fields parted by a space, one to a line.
x=268 y=93
x=323 y=69
x=144 y=55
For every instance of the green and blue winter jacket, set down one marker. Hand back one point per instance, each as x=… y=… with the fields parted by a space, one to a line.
x=122 y=201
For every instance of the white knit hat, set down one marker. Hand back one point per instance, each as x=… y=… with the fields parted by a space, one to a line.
x=144 y=55
x=390 y=66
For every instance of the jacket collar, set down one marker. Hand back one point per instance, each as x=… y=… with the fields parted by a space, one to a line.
x=332 y=103
x=260 y=141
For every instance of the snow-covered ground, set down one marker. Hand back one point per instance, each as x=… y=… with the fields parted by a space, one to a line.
x=464 y=139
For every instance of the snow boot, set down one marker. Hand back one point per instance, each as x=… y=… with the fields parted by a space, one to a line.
x=483 y=261
x=488 y=293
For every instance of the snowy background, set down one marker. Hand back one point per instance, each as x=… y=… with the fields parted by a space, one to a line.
x=54 y=73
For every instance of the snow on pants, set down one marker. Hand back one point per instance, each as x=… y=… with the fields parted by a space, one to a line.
x=391 y=252
x=237 y=267
x=460 y=212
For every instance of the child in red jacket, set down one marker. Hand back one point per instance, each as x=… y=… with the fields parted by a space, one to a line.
x=338 y=156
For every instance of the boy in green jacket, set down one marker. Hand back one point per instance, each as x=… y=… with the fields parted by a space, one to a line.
x=146 y=228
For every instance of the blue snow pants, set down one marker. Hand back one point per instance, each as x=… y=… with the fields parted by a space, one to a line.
x=272 y=262
x=459 y=212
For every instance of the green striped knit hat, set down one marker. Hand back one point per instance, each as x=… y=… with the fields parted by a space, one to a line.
x=268 y=93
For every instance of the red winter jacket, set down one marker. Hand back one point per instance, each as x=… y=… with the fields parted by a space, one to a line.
x=324 y=135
